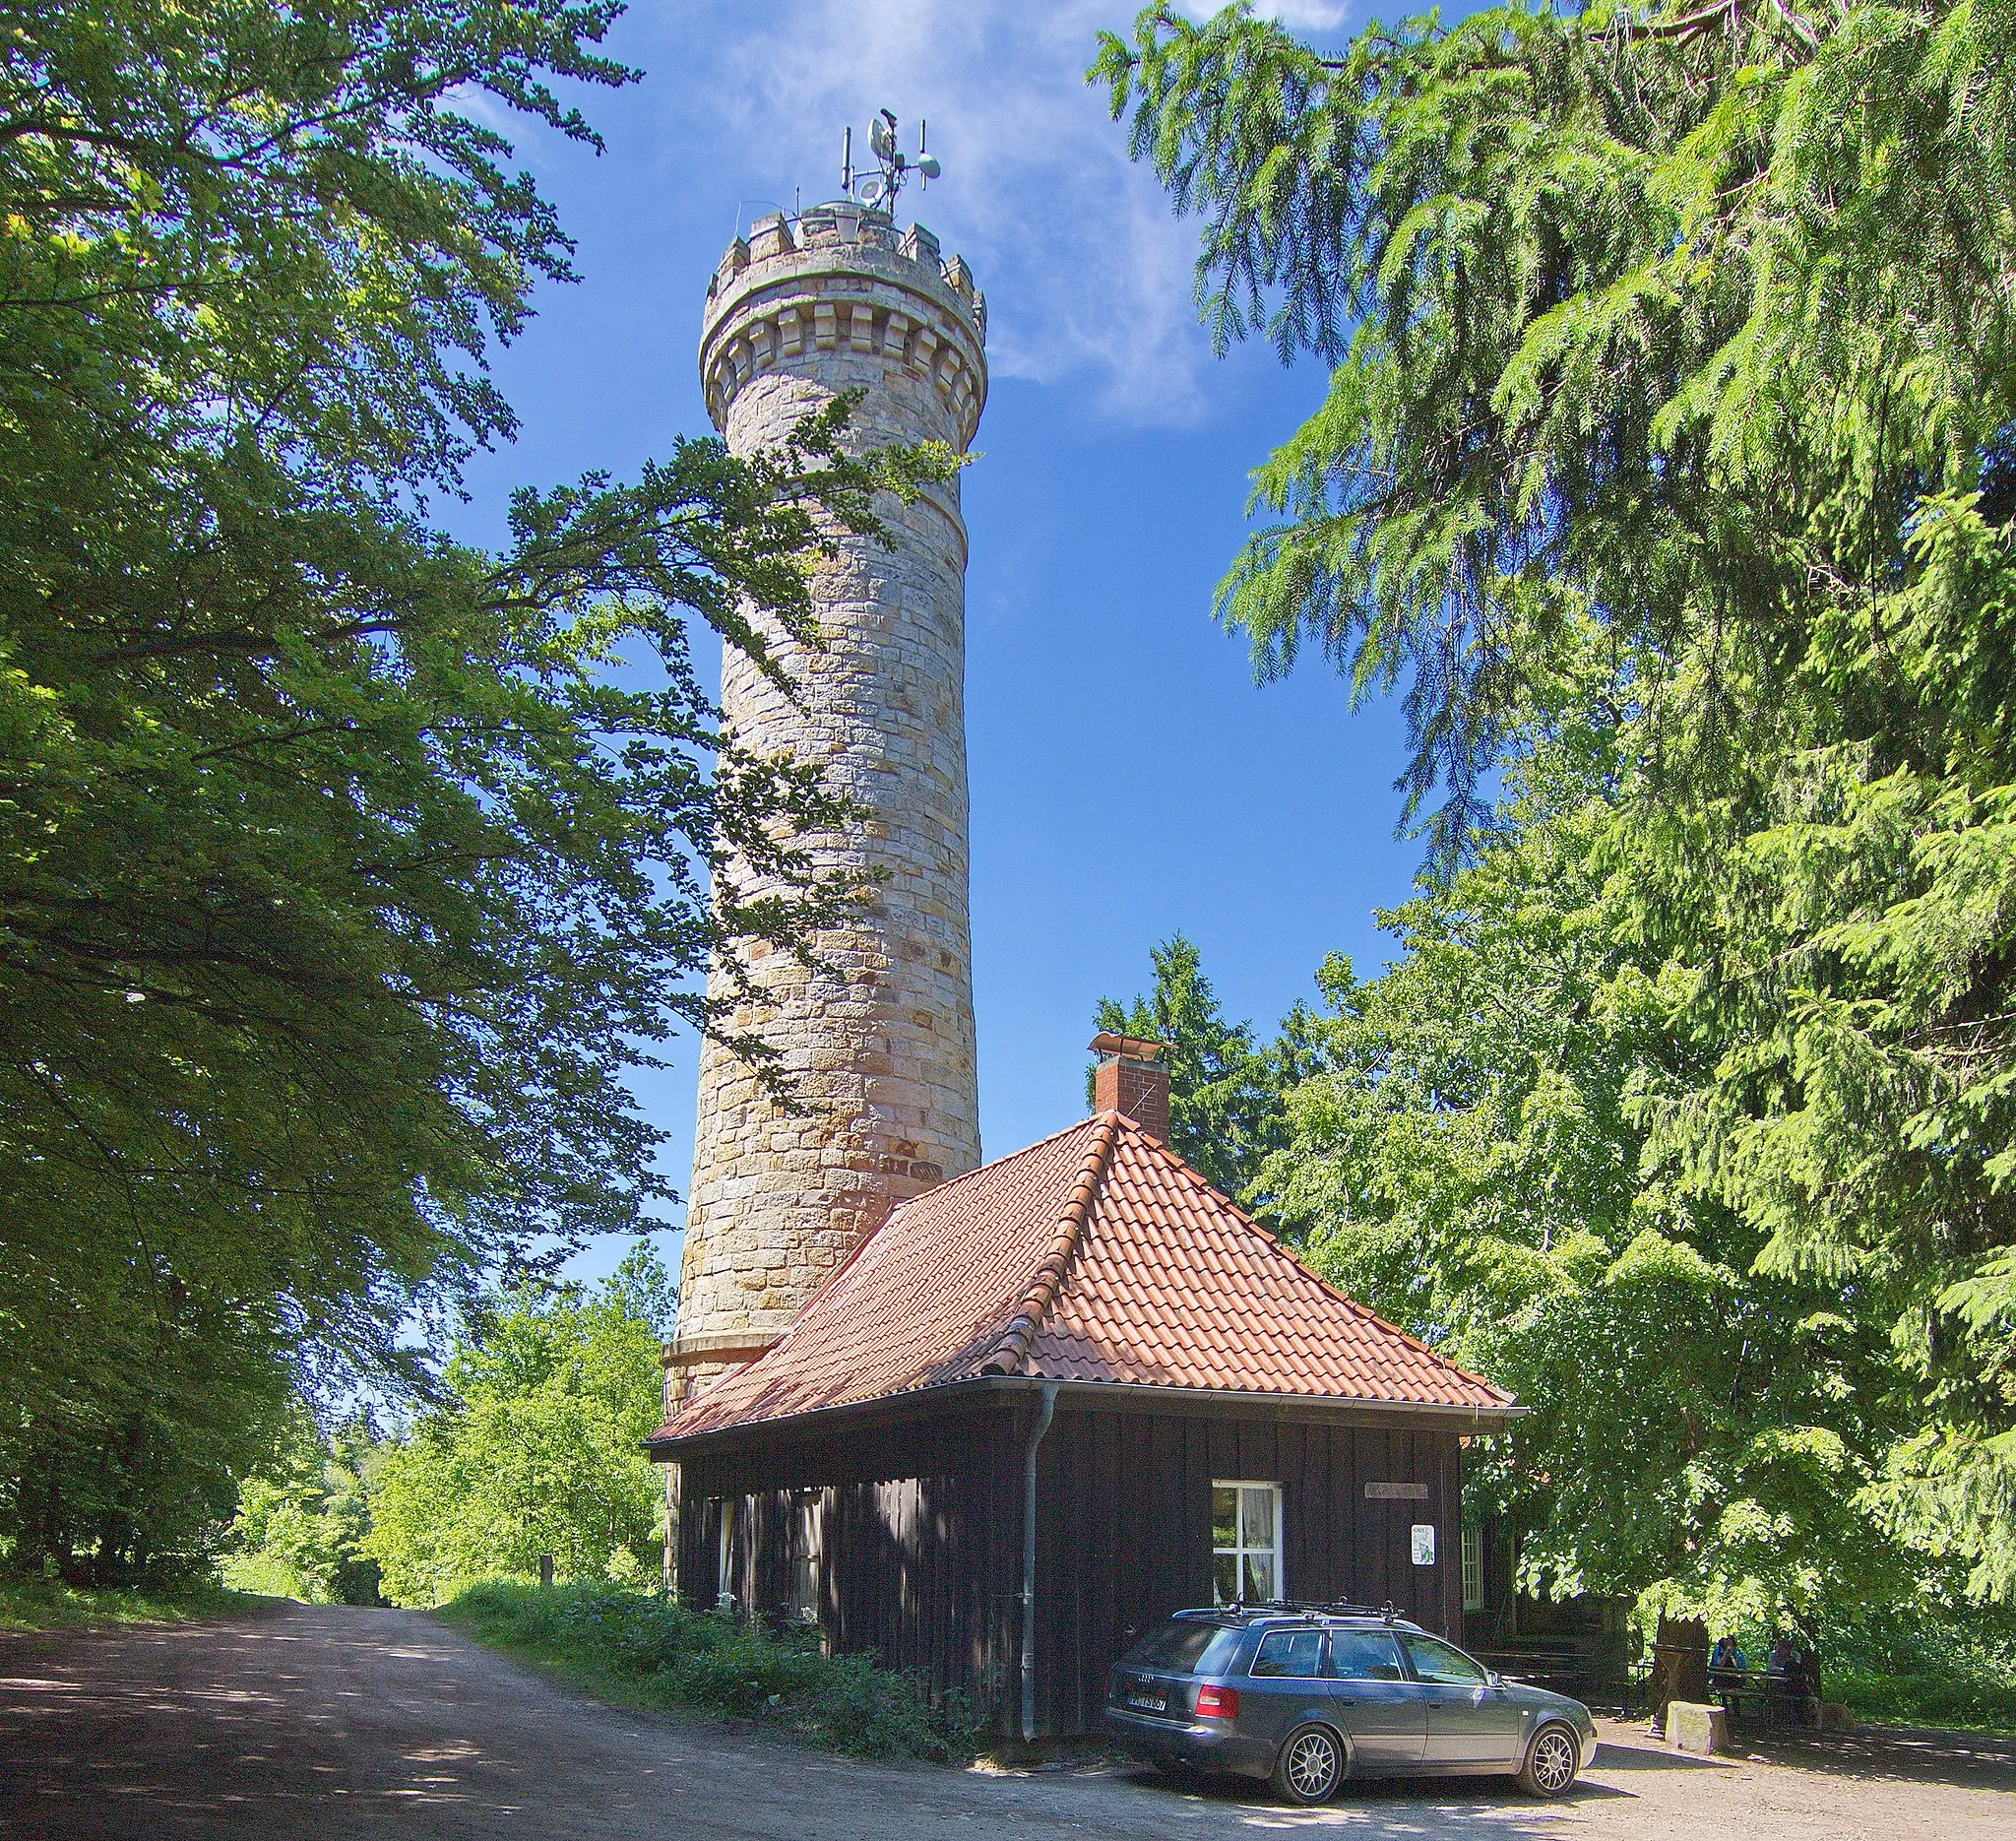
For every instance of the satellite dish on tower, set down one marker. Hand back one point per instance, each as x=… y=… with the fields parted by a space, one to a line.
x=878 y=189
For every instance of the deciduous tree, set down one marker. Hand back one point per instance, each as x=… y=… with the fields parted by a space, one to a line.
x=345 y=877
x=541 y=1449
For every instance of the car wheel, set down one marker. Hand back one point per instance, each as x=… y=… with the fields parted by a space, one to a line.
x=1552 y=1762
x=1309 y=1765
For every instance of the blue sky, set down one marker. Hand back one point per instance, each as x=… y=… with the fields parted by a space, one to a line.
x=1128 y=778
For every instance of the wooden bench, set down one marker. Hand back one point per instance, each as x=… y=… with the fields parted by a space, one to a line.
x=1756 y=1690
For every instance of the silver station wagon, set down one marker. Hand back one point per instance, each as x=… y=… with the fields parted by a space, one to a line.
x=1306 y=1696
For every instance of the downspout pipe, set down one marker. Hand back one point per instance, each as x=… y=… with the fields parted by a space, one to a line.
x=1044 y=1414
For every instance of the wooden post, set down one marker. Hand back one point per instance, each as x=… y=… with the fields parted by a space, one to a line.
x=546 y=1573
x=671 y=1566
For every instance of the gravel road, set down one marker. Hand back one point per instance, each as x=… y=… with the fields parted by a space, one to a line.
x=308 y=1722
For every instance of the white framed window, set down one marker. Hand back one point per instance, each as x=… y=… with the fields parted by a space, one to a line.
x=1246 y=1542
x=806 y=1540
x=1473 y=1569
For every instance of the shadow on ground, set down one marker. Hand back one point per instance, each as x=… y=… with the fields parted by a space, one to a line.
x=302 y=1723
x=1954 y=1759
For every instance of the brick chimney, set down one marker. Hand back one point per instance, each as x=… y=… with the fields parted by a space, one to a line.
x=1130 y=1078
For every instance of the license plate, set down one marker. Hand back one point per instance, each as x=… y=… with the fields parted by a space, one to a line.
x=1148 y=1699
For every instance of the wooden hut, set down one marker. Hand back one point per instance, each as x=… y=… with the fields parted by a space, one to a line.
x=1053 y=1399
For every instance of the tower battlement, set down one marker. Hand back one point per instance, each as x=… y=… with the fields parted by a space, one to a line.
x=843 y=279
x=848 y=226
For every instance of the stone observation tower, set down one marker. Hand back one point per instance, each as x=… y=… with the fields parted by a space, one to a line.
x=881 y=1045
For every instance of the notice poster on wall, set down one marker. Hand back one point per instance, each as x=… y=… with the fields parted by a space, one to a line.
x=1425 y=1544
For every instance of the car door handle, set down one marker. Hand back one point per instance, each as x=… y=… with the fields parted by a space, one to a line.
x=1343 y=1703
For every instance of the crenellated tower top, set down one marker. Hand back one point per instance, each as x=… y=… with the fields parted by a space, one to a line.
x=843 y=279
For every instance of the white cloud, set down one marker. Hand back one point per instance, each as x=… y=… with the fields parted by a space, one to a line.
x=1309 y=14
x=1296 y=14
x=1087 y=270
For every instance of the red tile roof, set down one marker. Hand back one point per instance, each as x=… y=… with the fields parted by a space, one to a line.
x=1095 y=1256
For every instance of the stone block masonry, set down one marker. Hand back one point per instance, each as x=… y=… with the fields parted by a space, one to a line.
x=881 y=1043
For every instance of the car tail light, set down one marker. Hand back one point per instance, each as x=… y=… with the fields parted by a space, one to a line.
x=1218 y=1703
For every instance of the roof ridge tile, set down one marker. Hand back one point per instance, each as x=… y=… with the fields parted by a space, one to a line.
x=1012 y=1350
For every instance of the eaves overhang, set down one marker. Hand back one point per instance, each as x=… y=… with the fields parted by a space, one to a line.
x=1123 y=1396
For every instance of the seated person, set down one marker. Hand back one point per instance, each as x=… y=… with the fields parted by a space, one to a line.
x=1726 y=1665
x=1778 y=1688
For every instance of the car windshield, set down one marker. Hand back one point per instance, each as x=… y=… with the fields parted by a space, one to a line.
x=1186 y=1647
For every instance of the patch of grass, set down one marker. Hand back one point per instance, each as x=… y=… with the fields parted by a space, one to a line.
x=640 y=1651
x=51 y=1605
x=263 y=1576
x=1964 y=1702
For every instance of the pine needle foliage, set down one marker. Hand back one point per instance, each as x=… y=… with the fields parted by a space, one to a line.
x=1225 y=1090
x=1472 y=1159
x=1670 y=414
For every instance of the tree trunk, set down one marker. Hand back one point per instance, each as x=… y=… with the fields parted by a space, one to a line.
x=39 y=1512
x=1680 y=1666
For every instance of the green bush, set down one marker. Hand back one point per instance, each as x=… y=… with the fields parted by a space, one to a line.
x=649 y=1651
x=1934 y=1662
x=1966 y=1700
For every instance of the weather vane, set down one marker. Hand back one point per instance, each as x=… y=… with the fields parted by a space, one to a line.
x=878 y=189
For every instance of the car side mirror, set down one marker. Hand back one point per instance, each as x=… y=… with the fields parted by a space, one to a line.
x=1495 y=1679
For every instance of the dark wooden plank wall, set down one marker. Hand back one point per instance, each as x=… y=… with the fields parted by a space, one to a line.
x=922 y=1539
x=923 y=1534
x=1126 y=1528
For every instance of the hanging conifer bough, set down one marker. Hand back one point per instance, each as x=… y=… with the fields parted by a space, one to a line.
x=344 y=876
x=1672 y=422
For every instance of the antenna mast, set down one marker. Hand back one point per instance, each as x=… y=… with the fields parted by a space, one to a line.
x=878 y=189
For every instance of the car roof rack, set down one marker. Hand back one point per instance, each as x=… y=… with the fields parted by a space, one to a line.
x=1257 y=1610
x=1253 y=1610
x=1315 y=1607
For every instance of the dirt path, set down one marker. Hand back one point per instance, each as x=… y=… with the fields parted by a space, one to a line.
x=309 y=1722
